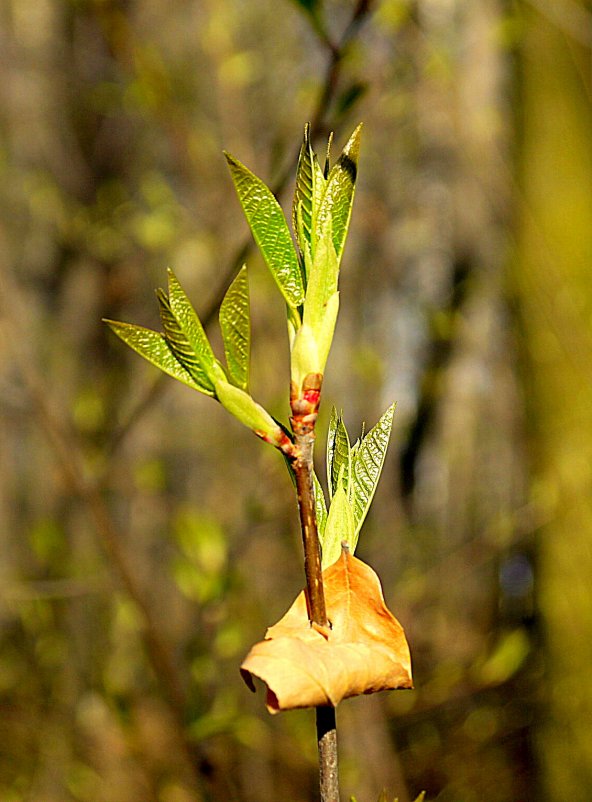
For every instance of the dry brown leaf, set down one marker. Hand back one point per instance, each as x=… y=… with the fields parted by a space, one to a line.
x=364 y=651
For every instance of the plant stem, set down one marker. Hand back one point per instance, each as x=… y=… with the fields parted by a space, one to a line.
x=303 y=469
x=304 y=413
x=327 y=743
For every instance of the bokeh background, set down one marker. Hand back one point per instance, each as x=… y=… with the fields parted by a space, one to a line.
x=147 y=540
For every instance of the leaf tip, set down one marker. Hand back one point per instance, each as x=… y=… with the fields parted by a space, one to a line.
x=351 y=153
x=232 y=162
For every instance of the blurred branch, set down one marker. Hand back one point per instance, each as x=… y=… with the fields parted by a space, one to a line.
x=321 y=122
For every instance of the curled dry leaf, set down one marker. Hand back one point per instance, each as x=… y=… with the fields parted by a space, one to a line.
x=364 y=651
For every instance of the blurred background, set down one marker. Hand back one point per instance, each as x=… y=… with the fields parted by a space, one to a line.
x=147 y=540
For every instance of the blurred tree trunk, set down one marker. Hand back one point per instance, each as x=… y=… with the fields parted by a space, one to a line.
x=555 y=290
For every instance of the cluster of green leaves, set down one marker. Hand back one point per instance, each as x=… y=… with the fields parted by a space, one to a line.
x=306 y=275
x=184 y=352
x=352 y=476
x=306 y=271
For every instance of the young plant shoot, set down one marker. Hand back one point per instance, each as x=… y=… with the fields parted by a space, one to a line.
x=338 y=639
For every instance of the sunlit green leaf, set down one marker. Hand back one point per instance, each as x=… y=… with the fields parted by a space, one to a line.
x=340 y=527
x=190 y=324
x=339 y=193
x=367 y=465
x=309 y=189
x=325 y=332
x=322 y=281
x=153 y=346
x=180 y=345
x=341 y=460
x=331 y=433
x=235 y=325
x=270 y=231
x=322 y=299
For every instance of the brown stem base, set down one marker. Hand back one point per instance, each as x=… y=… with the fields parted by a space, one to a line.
x=327 y=742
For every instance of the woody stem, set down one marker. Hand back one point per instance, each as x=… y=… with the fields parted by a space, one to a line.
x=303 y=422
x=303 y=471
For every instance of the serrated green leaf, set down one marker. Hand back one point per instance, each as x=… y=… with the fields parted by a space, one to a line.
x=320 y=507
x=235 y=325
x=340 y=527
x=153 y=346
x=308 y=192
x=180 y=345
x=367 y=465
x=270 y=231
x=341 y=460
x=190 y=323
x=339 y=193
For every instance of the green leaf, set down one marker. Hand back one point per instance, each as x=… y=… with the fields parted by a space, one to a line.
x=324 y=335
x=308 y=192
x=154 y=347
x=180 y=345
x=341 y=459
x=340 y=527
x=235 y=325
x=339 y=193
x=322 y=282
x=270 y=231
x=190 y=324
x=367 y=465
x=331 y=434
x=322 y=299
x=320 y=507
